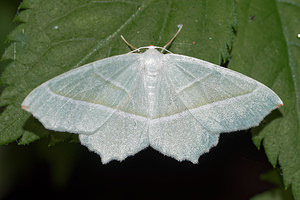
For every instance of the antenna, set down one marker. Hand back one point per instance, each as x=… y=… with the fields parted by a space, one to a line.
x=173 y=38
x=132 y=47
x=163 y=48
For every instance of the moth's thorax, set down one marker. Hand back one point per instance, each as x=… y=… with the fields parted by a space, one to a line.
x=152 y=60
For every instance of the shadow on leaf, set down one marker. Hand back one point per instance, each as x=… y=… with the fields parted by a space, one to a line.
x=37 y=131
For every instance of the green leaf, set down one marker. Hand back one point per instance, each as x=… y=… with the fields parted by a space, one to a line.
x=267 y=49
x=60 y=35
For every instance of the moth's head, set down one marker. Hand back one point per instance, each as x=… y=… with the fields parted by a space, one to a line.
x=150 y=48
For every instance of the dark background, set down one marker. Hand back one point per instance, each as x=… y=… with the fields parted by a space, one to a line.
x=231 y=170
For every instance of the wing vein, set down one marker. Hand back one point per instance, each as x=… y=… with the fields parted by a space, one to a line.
x=169 y=82
x=106 y=120
x=50 y=91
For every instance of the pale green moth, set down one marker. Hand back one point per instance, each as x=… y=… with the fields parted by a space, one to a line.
x=176 y=104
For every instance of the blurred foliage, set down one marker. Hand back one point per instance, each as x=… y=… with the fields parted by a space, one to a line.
x=279 y=192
